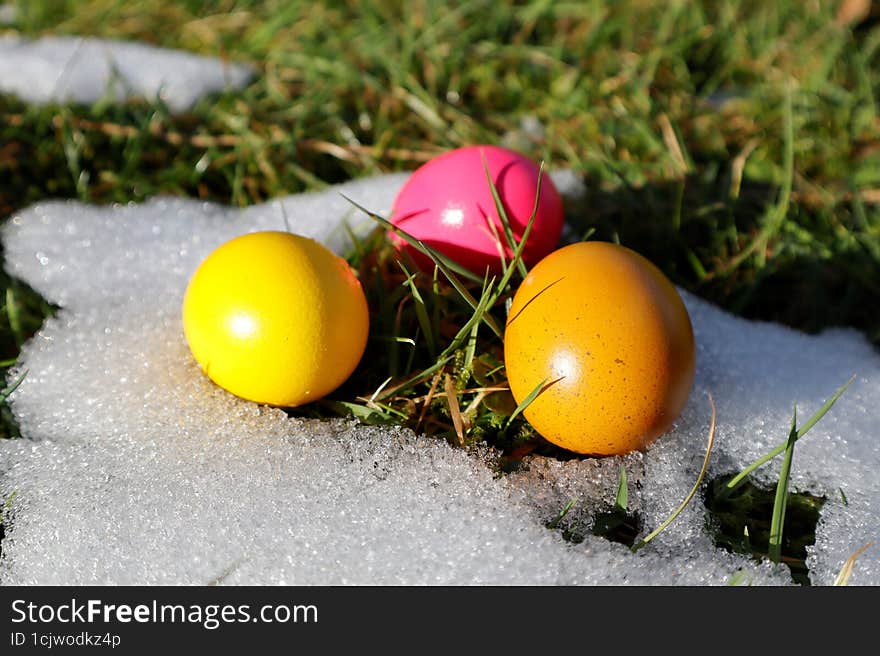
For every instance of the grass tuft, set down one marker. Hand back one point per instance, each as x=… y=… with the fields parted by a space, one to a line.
x=777 y=521
x=740 y=508
x=741 y=522
x=737 y=480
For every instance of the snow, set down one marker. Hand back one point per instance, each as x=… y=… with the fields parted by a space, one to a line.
x=84 y=70
x=136 y=469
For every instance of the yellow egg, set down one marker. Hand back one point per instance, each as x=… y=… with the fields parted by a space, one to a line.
x=276 y=318
x=613 y=332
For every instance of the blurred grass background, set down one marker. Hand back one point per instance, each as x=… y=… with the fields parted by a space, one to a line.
x=733 y=143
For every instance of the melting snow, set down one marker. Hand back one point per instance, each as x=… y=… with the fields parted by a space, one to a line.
x=135 y=469
x=84 y=70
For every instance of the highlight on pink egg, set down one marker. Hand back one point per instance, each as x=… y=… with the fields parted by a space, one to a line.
x=448 y=204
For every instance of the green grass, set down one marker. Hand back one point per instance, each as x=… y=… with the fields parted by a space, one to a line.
x=741 y=522
x=735 y=144
x=737 y=152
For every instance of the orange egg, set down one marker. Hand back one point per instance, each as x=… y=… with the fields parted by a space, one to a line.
x=610 y=328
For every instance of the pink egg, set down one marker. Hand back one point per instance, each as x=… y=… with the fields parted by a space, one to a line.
x=447 y=203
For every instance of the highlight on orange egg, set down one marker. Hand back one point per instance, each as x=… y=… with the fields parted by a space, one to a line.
x=276 y=318
x=608 y=337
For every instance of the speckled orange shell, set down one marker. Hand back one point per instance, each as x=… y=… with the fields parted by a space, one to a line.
x=613 y=329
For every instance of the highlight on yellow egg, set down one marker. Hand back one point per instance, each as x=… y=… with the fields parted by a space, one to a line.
x=608 y=338
x=276 y=318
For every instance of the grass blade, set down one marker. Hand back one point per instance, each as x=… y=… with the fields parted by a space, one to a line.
x=532 y=300
x=737 y=480
x=777 y=522
x=516 y=260
x=394 y=341
x=421 y=311
x=379 y=389
x=847 y=569
x=14 y=317
x=501 y=256
x=454 y=408
x=739 y=578
x=505 y=220
x=470 y=351
x=534 y=213
x=480 y=313
x=428 y=398
x=657 y=531
x=376 y=415
x=287 y=222
x=812 y=421
x=515 y=247
x=415 y=378
x=436 y=256
x=562 y=513
x=7 y=506
x=359 y=246
x=622 y=500
x=542 y=387
x=5 y=393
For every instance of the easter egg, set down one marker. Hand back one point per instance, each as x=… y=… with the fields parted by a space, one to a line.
x=448 y=204
x=611 y=330
x=275 y=318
